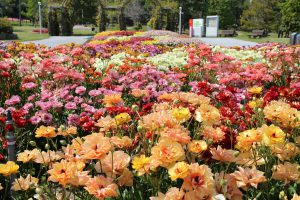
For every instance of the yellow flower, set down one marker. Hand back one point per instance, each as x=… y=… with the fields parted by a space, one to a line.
x=140 y=162
x=181 y=114
x=9 y=168
x=272 y=135
x=255 y=103
x=197 y=146
x=122 y=118
x=45 y=131
x=255 y=90
x=179 y=170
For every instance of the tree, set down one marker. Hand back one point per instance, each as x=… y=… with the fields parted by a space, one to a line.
x=261 y=14
x=134 y=11
x=290 y=11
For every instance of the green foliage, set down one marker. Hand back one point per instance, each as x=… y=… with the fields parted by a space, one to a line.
x=229 y=11
x=290 y=11
x=5 y=27
x=53 y=25
x=261 y=14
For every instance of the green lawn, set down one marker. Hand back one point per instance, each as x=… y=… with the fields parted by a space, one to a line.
x=25 y=33
x=271 y=38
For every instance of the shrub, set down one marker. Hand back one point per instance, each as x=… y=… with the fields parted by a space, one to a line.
x=5 y=26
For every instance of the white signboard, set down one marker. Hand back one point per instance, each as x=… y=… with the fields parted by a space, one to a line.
x=196 y=27
x=212 y=26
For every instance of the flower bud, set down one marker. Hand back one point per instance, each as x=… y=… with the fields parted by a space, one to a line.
x=47 y=146
x=140 y=128
x=281 y=195
x=134 y=107
x=63 y=142
x=32 y=143
x=39 y=190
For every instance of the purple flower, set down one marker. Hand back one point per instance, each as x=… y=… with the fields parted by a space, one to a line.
x=15 y=99
x=94 y=93
x=73 y=120
x=47 y=118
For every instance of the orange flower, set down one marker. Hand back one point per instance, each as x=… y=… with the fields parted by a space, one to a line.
x=223 y=155
x=246 y=139
x=25 y=183
x=114 y=163
x=214 y=134
x=247 y=177
x=158 y=120
x=199 y=177
x=66 y=131
x=248 y=159
x=95 y=146
x=208 y=114
x=45 y=131
x=167 y=152
x=121 y=142
x=27 y=155
x=179 y=134
x=287 y=172
x=101 y=187
x=80 y=178
x=112 y=100
x=197 y=146
x=62 y=172
x=185 y=97
x=172 y=194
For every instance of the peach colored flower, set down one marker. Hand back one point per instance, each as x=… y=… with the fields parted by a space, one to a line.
x=62 y=172
x=101 y=187
x=248 y=159
x=172 y=194
x=197 y=146
x=121 y=142
x=226 y=185
x=287 y=172
x=114 y=163
x=285 y=151
x=214 y=134
x=45 y=131
x=247 y=177
x=208 y=114
x=139 y=93
x=223 y=155
x=80 y=178
x=106 y=123
x=27 y=156
x=65 y=131
x=95 y=146
x=161 y=107
x=43 y=157
x=179 y=134
x=112 y=100
x=199 y=180
x=76 y=144
x=157 y=120
x=126 y=178
x=246 y=139
x=1 y=188
x=185 y=97
x=179 y=170
x=27 y=183
x=167 y=152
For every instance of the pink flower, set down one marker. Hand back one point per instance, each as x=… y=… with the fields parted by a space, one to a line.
x=15 y=99
x=70 y=106
x=35 y=120
x=29 y=86
x=80 y=90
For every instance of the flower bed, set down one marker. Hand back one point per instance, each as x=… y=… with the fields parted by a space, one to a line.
x=128 y=116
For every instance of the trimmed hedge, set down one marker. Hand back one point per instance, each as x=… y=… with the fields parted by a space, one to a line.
x=5 y=26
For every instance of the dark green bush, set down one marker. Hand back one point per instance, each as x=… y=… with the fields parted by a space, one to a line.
x=5 y=26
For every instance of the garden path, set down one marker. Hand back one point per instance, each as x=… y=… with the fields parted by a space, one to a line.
x=58 y=40
x=227 y=42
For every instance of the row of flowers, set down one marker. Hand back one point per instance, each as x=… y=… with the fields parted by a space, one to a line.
x=128 y=116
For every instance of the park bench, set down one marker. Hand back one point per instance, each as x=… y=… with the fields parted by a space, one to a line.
x=257 y=33
x=225 y=33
